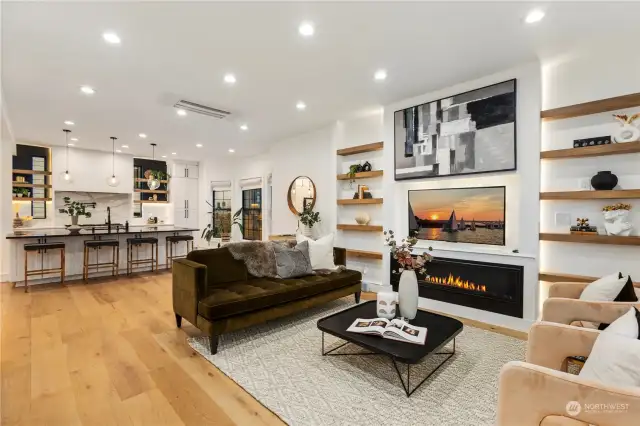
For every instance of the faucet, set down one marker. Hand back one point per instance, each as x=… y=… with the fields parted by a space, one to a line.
x=108 y=218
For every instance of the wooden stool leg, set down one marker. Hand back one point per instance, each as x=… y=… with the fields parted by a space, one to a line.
x=156 y=256
x=62 y=265
x=128 y=249
x=85 y=260
x=166 y=252
x=26 y=276
x=117 y=259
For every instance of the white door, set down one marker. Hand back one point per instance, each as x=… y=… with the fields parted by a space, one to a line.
x=192 y=171
x=190 y=190
x=178 y=193
x=179 y=170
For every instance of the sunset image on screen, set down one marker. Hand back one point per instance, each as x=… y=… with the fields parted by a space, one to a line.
x=470 y=215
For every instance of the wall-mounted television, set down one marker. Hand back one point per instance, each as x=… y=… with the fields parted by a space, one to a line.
x=459 y=215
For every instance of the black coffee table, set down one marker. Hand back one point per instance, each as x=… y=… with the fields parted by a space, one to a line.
x=440 y=331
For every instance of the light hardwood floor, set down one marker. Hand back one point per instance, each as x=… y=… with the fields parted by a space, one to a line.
x=109 y=353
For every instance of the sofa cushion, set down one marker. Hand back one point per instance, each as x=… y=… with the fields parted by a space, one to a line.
x=252 y=295
x=222 y=268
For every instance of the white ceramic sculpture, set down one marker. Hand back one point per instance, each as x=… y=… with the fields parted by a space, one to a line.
x=628 y=132
x=363 y=218
x=616 y=222
x=386 y=305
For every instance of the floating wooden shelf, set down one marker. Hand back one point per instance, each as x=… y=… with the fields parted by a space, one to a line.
x=595 y=107
x=361 y=175
x=145 y=180
x=30 y=172
x=592 y=151
x=152 y=191
x=29 y=185
x=150 y=202
x=590 y=239
x=349 y=201
x=591 y=195
x=30 y=199
x=377 y=146
x=566 y=278
x=362 y=228
x=364 y=254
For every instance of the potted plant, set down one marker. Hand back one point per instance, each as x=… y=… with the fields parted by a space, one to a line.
x=237 y=221
x=211 y=230
x=308 y=218
x=408 y=287
x=353 y=169
x=74 y=209
x=21 y=192
x=154 y=177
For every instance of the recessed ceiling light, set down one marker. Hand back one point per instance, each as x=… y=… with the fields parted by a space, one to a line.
x=74 y=139
x=164 y=156
x=117 y=150
x=69 y=123
x=125 y=146
x=306 y=29
x=301 y=105
x=181 y=112
x=229 y=78
x=198 y=145
x=173 y=153
x=244 y=127
x=380 y=75
x=87 y=90
x=70 y=144
x=534 y=16
x=142 y=135
x=231 y=150
x=111 y=38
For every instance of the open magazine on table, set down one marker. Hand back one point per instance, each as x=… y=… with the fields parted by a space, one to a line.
x=395 y=329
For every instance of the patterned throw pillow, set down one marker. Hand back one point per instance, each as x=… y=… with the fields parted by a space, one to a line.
x=293 y=262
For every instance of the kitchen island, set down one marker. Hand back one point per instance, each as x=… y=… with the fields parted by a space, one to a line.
x=74 y=247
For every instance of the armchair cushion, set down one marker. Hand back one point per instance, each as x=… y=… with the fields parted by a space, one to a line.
x=614 y=360
x=605 y=289
x=252 y=295
x=320 y=251
x=627 y=325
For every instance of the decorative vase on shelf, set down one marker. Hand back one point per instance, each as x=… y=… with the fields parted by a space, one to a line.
x=408 y=294
x=627 y=132
x=386 y=305
x=616 y=222
x=366 y=167
x=307 y=231
x=363 y=218
x=604 y=181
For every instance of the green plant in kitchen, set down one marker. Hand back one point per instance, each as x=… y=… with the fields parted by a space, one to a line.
x=156 y=174
x=21 y=192
x=211 y=230
x=75 y=209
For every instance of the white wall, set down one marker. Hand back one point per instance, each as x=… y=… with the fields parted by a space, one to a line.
x=522 y=188
x=7 y=149
x=594 y=75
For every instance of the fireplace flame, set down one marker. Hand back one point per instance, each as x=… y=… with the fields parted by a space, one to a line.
x=452 y=281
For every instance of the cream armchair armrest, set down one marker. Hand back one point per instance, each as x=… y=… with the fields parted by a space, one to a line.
x=568 y=290
x=528 y=393
x=550 y=344
x=565 y=311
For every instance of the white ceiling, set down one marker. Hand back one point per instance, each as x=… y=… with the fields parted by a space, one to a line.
x=177 y=50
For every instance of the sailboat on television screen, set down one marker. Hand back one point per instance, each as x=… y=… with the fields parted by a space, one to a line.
x=452 y=223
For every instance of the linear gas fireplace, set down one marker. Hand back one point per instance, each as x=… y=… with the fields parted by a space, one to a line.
x=491 y=287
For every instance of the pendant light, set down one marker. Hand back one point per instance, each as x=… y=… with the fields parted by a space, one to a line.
x=152 y=181
x=66 y=176
x=113 y=179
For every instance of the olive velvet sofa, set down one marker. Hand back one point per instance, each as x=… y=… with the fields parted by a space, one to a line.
x=214 y=292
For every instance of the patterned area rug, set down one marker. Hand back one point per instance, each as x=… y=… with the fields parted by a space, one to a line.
x=280 y=364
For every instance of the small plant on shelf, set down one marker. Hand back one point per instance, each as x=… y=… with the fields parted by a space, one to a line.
x=403 y=253
x=353 y=169
x=21 y=192
x=156 y=174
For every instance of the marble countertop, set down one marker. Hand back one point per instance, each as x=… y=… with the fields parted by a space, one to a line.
x=64 y=232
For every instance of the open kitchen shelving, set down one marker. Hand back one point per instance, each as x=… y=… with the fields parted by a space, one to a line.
x=579 y=110
x=46 y=186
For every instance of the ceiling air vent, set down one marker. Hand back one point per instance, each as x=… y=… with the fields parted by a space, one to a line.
x=201 y=109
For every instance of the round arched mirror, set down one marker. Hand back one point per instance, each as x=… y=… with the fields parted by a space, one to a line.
x=301 y=195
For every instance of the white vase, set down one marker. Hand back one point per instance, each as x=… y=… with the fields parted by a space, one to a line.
x=616 y=222
x=307 y=231
x=626 y=133
x=408 y=294
x=74 y=220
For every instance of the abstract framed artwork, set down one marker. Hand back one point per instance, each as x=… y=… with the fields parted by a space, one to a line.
x=472 y=132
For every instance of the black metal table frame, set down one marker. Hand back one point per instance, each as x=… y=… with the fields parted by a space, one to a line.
x=407 y=387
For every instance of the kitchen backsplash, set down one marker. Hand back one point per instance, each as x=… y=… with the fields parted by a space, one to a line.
x=121 y=207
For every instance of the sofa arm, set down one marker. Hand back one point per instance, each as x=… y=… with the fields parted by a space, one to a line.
x=565 y=311
x=189 y=286
x=340 y=256
x=550 y=344
x=528 y=393
x=567 y=290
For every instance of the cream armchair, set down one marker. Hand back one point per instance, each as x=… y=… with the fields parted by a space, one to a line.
x=564 y=306
x=538 y=391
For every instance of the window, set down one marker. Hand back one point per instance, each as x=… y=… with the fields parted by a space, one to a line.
x=222 y=212
x=252 y=214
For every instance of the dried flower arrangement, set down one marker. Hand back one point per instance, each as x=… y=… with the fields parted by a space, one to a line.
x=618 y=206
x=625 y=119
x=402 y=253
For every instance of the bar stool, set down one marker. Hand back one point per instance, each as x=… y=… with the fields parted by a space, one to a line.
x=97 y=245
x=41 y=248
x=137 y=242
x=173 y=240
